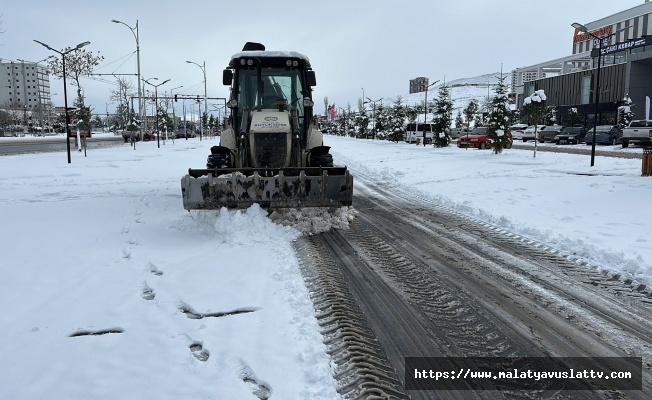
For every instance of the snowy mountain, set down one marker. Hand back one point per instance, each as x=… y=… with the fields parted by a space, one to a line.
x=462 y=91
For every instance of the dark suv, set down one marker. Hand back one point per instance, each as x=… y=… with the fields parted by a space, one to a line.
x=571 y=135
x=548 y=133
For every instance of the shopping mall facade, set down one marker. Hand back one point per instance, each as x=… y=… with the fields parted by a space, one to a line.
x=625 y=55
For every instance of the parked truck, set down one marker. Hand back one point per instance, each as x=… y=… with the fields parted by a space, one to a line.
x=637 y=132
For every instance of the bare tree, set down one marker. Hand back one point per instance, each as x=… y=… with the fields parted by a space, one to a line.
x=79 y=63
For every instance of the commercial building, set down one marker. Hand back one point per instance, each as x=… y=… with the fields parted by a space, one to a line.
x=25 y=90
x=625 y=54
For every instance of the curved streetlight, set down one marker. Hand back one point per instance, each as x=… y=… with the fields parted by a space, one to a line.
x=65 y=92
x=584 y=29
x=158 y=134
x=203 y=70
x=140 y=93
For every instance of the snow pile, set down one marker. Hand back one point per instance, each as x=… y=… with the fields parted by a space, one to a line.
x=314 y=220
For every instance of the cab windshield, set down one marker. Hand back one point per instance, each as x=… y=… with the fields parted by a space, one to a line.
x=279 y=88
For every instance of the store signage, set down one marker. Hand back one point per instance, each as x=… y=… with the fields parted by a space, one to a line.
x=630 y=44
x=580 y=36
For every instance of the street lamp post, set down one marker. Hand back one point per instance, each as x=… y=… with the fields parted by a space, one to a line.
x=65 y=92
x=158 y=134
x=425 y=112
x=373 y=127
x=584 y=29
x=140 y=93
x=203 y=70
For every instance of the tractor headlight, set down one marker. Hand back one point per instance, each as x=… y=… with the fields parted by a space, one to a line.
x=307 y=102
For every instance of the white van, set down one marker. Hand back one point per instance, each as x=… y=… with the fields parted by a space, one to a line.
x=414 y=131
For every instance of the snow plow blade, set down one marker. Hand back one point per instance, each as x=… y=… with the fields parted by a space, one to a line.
x=208 y=189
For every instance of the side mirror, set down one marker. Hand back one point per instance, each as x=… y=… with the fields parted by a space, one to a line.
x=227 y=77
x=311 y=78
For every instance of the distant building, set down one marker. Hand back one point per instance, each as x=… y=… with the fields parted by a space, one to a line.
x=26 y=87
x=418 y=85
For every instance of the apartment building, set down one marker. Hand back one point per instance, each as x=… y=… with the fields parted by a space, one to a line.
x=25 y=87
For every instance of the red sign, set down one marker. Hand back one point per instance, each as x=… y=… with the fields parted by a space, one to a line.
x=580 y=37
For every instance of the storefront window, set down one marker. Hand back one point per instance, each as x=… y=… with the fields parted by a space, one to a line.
x=621 y=57
x=585 y=89
x=608 y=59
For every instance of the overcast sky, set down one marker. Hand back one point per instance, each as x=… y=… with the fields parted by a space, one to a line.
x=375 y=45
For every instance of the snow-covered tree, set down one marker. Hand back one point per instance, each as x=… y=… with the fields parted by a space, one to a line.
x=625 y=112
x=443 y=110
x=572 y=115
x=79 y=63
x=459 y=120
x=396 y=121
x=411 y=113
x=551 y=116
x=82 y=116
x=381 y=120
x=361 y=122
x=470 y=111
x=498 y=123
x=535 y=108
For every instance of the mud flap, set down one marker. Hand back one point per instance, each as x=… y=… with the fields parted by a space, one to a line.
x=278 y=188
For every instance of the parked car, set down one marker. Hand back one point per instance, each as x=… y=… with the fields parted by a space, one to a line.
x=604 y=134
x=479 y=138
x=637 y=132
x=517 y=131
x=182 y=135
x=548 y=133
x=73 y=133
x=455 y=133
x=126 y=135
x=528 y=133
x=571 y=135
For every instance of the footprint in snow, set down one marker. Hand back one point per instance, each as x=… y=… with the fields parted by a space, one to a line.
x=147 y=292
x=198 y=350
x=258 y=388
x=155 y=271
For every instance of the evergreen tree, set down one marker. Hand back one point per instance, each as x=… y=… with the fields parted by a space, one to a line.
x=443 y=110
x=459 y=121
x=396 y=121
x=82 y=116
x=381 y=120
x=498 y=124
x=625 y=113
x=362 y=120
x=470 y=111
x=572 y=116
x=551 y=116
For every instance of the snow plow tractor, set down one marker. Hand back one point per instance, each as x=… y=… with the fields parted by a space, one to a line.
x=271 y=151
